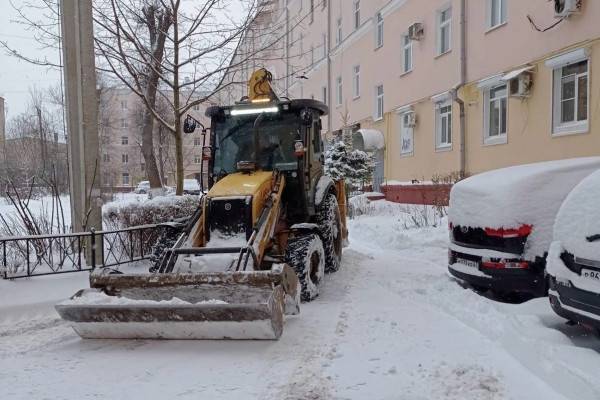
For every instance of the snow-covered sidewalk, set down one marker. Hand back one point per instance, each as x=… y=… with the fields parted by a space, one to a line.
x=391 y=324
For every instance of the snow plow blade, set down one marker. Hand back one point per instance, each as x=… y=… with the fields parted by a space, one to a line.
x=219 y=305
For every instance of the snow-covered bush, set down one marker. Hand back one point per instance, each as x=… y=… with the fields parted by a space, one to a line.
x=355 y=166
x=119 y=215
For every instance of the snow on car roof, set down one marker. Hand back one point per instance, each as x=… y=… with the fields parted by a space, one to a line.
x=579 y=219
x=514 y=196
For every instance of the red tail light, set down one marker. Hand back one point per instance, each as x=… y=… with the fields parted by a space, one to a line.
x=523 y=231
x=503 y=264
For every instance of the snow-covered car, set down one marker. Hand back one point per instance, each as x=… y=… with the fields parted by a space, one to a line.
x=501 y=223
x=143 y=187
x=191 y=186
x=574 y=257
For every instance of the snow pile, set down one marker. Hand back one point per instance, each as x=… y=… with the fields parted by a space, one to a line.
x=134 y=211
x=579 y=219
x=511 y=197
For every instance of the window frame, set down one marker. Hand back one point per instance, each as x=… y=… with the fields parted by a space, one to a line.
x=439 y=145
x=406 y=47
x=123 y=175
x=356 y=81
x=339 y=91
x=338 y=32
x=501 y=138
x=379 y=111
x=356 y=14
x=403 y=130
x=440 y=25
x=324 y=94
x=378 y=30
x=124 y=158
x=124 y=140
x=560 y=128
x=502 y=10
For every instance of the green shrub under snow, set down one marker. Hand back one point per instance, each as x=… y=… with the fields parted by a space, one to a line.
x=119 y=215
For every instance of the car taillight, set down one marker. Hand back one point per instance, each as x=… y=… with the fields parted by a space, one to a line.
x=504 y=264
x=522 y=231
x=450 y=225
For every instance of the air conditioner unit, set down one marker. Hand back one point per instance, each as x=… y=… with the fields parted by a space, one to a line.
x=566 y=8
x=409 y=119
x=416 y=31
x=521 y=85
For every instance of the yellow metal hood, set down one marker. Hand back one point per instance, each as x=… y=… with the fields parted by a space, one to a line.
x=242 y=184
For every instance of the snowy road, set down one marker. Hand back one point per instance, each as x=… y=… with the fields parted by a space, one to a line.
x=390 y=324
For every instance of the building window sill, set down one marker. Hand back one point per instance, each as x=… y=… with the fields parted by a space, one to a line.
x=356 y=97
x=495 y=27
x=571 y=129
x=443 y=148
x=377 y=119
x=495 y=140
x=440 y=55
x=405 y=73
x=377 y=47
x=407 y=155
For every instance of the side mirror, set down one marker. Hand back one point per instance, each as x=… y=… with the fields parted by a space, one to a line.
x=306 y=116
x=189 y=125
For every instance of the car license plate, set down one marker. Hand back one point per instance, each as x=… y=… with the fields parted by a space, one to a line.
x=468 y=263
x=590 y=274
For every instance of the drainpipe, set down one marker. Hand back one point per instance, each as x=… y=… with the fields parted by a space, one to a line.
x=463 y=81
x=329 y=96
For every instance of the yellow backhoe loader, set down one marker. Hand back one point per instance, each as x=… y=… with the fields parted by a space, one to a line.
x=268 y=229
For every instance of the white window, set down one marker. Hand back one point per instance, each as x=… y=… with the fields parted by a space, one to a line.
x=496 y=13
x=301 y=44
x=407 y=54
x=197 y=159
x=444 y=34
x=324 y=94
x=106 y=157
x=125 y=179
x=339 y=93
x=324 y=40
x=378 y=30
x=406 y=134
x=124 y=140
x=301 y=3
x=356 y=14
x=443 y=124
x=196 y=107
x=338 y=34
x=124 y=123
x=124 y=158
x=312 y=54
x=197 y=142
x=495 y=114
x=571 y=98
x=378 y=102
x=312 y=11
x=123 y=104
x=356 y=81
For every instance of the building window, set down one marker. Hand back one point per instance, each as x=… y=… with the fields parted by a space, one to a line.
x=338 y=32
x=324 y=94
x=124 y=140
x=496 y=12
x=124 y=123
x=324 y=2
x=143 y=167
x=196 y=107
x=123 y=104
x=571 y=99
x=406 y=134
x=324 y=39
x=495 y=114
x=444 y=22
x=197 y=159
x=356 y=14
x=443 y=124
x=125 y=179
x=105 y=157
x=312 y=54
x=378 y=102
x=312 y=11
x=378 y=30
x=339 y=93
x=356 y=81
x=407 y=51
x=124 y=158
x=197 y=142
x=301 y=44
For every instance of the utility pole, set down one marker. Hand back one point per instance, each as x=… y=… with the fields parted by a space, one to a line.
x=82 y=114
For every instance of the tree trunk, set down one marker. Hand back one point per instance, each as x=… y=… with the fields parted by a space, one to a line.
x=179 y=158
x=148 y=151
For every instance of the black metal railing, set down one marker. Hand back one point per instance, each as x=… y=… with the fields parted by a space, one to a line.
x=27 y=256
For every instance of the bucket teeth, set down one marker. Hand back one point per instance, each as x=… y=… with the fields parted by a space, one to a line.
x=237 y=305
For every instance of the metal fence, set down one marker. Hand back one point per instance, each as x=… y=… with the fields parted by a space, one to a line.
x=28 y=256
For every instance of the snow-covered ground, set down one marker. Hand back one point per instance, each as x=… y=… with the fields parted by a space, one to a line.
x=391 y=324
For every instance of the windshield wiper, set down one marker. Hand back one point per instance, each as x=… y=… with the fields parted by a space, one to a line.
x=593 y=238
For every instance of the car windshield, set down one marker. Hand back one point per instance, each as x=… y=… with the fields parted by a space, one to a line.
x=234 y=141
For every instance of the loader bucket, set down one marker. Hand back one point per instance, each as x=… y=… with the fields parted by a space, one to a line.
x=218 y=305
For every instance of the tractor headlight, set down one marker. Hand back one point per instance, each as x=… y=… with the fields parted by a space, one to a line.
x=250 y=111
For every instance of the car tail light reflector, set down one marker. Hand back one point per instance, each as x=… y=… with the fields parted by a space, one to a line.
x=522 y=231
x=504 y=264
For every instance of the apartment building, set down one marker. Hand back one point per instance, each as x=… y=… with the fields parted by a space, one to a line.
x=2 y=134
x=453 y=86
x=123 y=165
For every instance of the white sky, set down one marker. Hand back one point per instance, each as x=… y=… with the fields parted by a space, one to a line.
x=16 y=77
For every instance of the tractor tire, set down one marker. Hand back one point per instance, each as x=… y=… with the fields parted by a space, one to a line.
x=330 y=227
x=306 y=256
